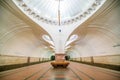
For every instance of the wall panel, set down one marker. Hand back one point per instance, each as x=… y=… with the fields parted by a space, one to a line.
x=9 y=60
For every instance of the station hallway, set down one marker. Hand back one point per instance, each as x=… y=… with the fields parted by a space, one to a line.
x=59 y=39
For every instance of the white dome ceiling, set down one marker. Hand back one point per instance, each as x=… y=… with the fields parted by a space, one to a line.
x=69 y=9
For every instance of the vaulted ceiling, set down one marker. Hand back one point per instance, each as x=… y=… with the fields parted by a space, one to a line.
x=89 y=29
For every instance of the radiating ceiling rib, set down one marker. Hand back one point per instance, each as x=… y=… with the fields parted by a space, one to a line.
x=51 y=7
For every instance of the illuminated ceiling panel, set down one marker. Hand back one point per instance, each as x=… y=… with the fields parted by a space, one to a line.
x=68 y=8
x=59 y=12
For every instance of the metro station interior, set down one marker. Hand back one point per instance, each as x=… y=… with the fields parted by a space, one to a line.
x=59 y=39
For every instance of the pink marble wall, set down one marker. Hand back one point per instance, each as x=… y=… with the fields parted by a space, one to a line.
x=59 y=57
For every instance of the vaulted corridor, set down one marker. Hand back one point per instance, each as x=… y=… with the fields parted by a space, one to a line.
x=59 y=40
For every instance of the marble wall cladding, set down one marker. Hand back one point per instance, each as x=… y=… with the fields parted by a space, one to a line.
x=111 y=59
x=33 y=59
x=108 y=59
x=12 y=60
x=9 y=60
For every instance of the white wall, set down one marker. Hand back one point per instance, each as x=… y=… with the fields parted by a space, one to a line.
x=17 y=38
x=102 y=32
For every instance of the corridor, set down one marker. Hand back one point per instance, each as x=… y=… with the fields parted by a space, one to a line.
x=75 y=71
x=81 y=37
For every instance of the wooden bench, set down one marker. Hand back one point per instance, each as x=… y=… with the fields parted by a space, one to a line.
x=62 y=64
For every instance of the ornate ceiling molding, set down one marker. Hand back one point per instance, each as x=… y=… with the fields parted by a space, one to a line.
x=28 y=11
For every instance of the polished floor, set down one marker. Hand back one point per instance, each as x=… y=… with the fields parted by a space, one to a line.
x=45 y=71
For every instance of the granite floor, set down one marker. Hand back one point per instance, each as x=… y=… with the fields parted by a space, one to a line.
x=75 y=71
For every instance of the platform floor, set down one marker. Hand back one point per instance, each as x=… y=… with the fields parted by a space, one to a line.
x=75 y=71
